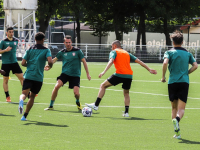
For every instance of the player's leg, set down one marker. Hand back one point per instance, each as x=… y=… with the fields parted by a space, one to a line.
x=22 y=97
x=59 y=83
x=29 y=105
x=6 y=68
x=74 y=83
x=126 y=86
x=35 y=89
x=126 y=102
x=101 y=93
x=181 y=109
x=20 y=77
x=5 y=87
x=77 y=96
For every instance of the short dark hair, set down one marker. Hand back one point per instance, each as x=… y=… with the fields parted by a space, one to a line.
x=177 y=37
x=117 y=43
x=39 y=36
x=9 y=28
x=67 y=37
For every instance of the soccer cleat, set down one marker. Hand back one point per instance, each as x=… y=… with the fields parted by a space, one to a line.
x=176 y=127
x=79 y=106
x=92 y=105
x=177 y=137
x=8 y=99
x=125 y=115
x=49 y=108
x=23 y=118
x=20 y=109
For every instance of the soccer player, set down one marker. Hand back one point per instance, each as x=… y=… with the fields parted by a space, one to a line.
x=71 y=71
x=35 y=60
x=178 y=59
x=8 y=48
x=121 y=59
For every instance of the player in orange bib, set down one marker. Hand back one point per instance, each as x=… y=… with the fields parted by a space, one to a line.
x=121 y=59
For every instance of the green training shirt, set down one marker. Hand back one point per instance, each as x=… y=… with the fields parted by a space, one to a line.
x=9 y=57
x=179 y=60
x=71 y=61
x=36 y=57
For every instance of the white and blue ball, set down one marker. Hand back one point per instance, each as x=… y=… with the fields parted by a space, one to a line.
x=87 y=112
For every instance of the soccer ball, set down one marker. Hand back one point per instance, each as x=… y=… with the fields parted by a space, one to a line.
x=87 y=112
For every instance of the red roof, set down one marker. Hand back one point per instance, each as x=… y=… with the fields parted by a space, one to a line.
x=193 y=23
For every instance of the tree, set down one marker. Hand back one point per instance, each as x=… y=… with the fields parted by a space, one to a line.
x=46 y=9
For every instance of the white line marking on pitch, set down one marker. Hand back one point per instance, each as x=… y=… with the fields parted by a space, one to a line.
x=116 y=90
x=138 y=107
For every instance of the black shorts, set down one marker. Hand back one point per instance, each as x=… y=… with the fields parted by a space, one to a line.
x=14 y=67
x=73 y=81
x=114 y=80
x=34 y=86
x=178 y=91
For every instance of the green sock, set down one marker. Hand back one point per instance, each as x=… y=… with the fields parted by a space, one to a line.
x=77 y=102
x=51 y=103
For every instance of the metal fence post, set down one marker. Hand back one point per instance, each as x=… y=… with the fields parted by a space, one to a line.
x=160 y=53
x=196 y=53
x=86 y=46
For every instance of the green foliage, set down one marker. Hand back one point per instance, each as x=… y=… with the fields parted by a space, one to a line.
x=52 y=23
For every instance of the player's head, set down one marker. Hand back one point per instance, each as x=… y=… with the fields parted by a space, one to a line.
x=116 y=44
x=10 y=32
x=177 y=38
x=68 y=42
x=39 y=37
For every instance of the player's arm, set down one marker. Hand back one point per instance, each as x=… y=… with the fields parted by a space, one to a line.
x=5 y=50
x=50 y=63
x=24 y=63
x=193 y=68
x=107 y=67
x=164 y=69
x=86 y=68
x=145 y=66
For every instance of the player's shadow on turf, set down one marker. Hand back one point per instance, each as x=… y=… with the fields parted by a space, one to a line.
x=17 y=103
x=7 y=115
x=188 y=141
x=44 y=124
x=136 y=118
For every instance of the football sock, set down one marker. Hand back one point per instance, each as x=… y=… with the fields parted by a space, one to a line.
x=77 y=102
x=7 y=94
x=51 y=103
x=126 y=109
x=25 y=115
x=178 y=119
x=97 y=101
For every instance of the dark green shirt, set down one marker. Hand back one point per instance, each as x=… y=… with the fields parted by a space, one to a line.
x=9 y=57
x=179 y=60
x=36 y=57
x=71 y=61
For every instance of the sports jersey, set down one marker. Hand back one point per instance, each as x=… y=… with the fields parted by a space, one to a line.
x=122 y=63
x=9 y=57
x=71 y=61
x=179 y=60
x=36 y=57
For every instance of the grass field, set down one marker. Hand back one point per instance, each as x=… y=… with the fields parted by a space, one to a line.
x=148 y=127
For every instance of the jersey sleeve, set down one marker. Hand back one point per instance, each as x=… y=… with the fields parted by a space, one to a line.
x=166 y=55
x=132 y=57
x=26 y=55
x=48 y=53
x=191 y=60
x=112 y=54
x=81 y=55
x=59 y=55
